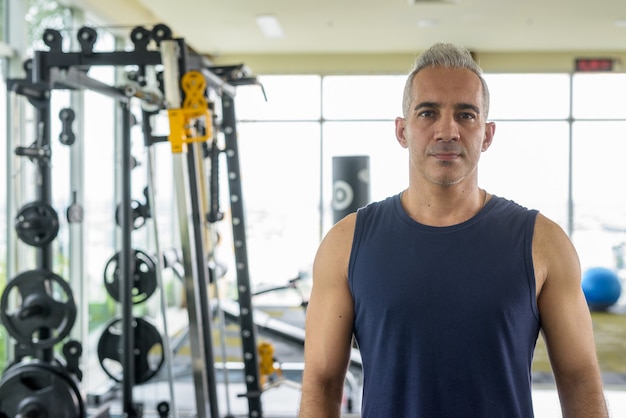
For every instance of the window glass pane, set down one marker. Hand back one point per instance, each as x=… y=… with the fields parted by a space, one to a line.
x=60 y=174
x=599 y=96
x=4 y=336
x=99 y=167
x=44 y=14
x=288 y=98
x=599 y=199
x=388 y=160
x=2 y=18
x=527 y=162
x=280 y=171
x=99 y=186
x=363 y=97
x=528 y=96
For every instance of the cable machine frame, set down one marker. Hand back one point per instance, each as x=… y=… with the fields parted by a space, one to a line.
x=56 y=69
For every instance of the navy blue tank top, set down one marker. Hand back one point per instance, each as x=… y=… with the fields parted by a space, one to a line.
x=446 y=318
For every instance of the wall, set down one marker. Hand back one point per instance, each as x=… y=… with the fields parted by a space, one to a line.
x=401 y=63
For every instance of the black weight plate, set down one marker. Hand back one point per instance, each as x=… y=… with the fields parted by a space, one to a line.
x=37 y=224
x=37 y=308
x=139 y=214
x=144 y=277
x=149 y=356
x=39 y=390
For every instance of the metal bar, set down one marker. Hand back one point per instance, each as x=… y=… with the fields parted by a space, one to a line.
x=224 y=353
x=44 y=194
x=570 y=161
x=216 y=82
x=77 y=270
x=73 y=78
x=44 y=181
x=127 y=267
x=248 y=335
x=25 y=88
x=159 y=265
x=171 y=55
x=196 y=343
x=43 y=61
x=194 y=167
x=198 y=202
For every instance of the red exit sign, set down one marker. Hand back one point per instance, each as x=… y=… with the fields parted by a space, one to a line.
x=594 y=64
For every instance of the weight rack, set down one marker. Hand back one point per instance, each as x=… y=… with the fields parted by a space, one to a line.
x=45 y=310
x=56 y=69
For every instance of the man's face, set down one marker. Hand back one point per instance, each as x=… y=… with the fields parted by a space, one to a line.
x=445 y=130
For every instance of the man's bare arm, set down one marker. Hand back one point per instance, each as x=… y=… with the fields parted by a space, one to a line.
x=329 y=323
x=566 y=323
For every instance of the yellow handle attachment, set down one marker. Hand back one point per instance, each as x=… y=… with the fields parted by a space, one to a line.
x=184 y=122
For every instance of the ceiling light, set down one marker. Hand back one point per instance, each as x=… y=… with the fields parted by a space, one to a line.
x=270 y=26
x=620 y=23
x=427 y=23
x=413 y=2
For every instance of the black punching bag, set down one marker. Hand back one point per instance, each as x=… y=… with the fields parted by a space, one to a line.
x=351 y=184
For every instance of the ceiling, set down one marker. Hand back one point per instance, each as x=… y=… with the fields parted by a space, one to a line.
x=219 y=27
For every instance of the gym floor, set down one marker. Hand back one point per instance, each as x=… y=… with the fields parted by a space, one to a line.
x=281 y=400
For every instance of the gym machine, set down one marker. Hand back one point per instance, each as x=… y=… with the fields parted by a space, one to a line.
x=37 y=306
x=39 y=321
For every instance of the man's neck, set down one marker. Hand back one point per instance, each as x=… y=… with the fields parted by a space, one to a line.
x=443 y=206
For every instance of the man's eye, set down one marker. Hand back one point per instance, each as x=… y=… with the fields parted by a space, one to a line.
x=467 y=116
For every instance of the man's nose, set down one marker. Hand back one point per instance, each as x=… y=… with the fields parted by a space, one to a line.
x=447 y=128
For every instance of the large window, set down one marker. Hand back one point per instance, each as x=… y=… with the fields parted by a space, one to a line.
x=287 y=145
x=547 y=126
x=599 y=111
x=280 y=168
x=528 y=160
x=358 y=119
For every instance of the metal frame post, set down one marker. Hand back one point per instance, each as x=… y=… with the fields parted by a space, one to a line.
x=191 y=228
x=127 y=269
x=248 y=334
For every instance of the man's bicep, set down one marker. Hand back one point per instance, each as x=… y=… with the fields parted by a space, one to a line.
x=566 y=322
x=330 y=311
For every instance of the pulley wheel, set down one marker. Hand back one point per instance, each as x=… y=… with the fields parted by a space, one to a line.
x=37 y=308
x=149 y=356
x=144 y=277
x=37 y=224
x=161 y=32
x=39 y=390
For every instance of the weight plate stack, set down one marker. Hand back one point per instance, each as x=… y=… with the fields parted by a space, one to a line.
x=44 y=312
x=38 y=389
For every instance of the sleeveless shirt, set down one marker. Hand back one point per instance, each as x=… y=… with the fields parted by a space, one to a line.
x=446 y=318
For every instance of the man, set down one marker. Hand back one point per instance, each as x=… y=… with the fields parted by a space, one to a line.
x=444 y=286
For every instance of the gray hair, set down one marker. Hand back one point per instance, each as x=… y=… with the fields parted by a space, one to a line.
x=447 y=56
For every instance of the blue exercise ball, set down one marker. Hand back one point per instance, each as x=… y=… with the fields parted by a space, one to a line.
x=601 y=287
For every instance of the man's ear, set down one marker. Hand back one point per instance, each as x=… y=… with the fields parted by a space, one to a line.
x=490 y=130
x=400 y=129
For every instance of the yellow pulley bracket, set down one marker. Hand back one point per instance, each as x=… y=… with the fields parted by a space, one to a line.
x=184 y=121
x=266 y=363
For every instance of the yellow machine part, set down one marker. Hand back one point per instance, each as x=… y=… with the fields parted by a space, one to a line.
x=195 y=112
